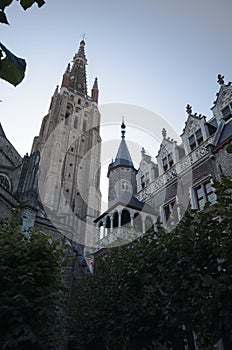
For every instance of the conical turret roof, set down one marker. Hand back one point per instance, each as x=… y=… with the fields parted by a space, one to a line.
x=123 y=157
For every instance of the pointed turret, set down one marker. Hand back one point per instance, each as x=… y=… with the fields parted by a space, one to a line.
x=123 y=157
x=66 y=77
x=95 y=91
x=121 y=172
x=78 y=79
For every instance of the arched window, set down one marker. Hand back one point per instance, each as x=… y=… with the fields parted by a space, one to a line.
x=75 y=123
x=5 y=182
x=125 y=186
x=126 y=220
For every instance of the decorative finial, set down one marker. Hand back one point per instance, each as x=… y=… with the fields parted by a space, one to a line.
x=220 y=79
x=123 y=127
x=189 y=109
x=164 y=133
x=143 y=151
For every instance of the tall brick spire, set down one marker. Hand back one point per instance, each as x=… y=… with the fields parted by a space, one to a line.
x=78 y=79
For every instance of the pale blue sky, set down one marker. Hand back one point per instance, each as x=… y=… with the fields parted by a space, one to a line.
x=157 y=54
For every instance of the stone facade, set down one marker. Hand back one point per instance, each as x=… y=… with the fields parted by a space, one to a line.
x=181 y=178
x=56 y=183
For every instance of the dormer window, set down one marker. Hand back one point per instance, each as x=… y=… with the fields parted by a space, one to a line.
x=195 y=139
x=168 y=162
x=227 y=111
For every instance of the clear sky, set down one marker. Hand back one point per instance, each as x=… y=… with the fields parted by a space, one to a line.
x=156 y=54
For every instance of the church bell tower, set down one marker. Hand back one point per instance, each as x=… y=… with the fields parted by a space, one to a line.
x=69 y=143
x=121 y=171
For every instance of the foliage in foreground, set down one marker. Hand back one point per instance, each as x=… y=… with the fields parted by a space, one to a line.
x=162 y=287
x=12 y=68
x=32 y=291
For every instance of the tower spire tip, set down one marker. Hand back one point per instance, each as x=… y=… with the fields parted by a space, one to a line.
x=123 y=127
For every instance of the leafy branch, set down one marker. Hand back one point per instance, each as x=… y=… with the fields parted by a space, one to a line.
x=12 y=68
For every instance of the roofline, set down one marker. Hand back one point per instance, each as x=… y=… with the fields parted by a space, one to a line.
x=108 y=211
x=226 y=141
x=121 y=166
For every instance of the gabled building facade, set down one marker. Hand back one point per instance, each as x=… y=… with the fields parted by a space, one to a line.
x=180 y=179
x=185 y=173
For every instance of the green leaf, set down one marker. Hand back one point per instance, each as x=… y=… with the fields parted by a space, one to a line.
x=12 y=68
x=40 y=3
x=28 y=3
x=5 y=3
x=3 y=18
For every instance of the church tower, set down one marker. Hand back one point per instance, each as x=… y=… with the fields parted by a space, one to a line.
x=69 y=143
x=121 y=172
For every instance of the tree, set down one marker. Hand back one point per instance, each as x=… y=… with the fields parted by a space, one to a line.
x=12 y=68
x=32 y=291
x=164 y=286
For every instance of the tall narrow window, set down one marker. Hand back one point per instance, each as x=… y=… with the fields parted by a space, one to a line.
x=143 y=181
x=84 y=125
x=168 y=209
x=67 y=114
x=195 y=139
x=168 y=162
x=147 y=179
x=4 y=182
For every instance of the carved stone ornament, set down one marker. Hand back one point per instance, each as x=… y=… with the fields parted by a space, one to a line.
x=226 y=97
x=220 y=79
x=189 y=109
x=192 y=127
x=164 y=133
x=164 y=152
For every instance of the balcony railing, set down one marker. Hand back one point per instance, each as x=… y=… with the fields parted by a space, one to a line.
x=176 y=170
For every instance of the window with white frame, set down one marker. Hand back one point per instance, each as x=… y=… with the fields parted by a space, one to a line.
x=227 y=111
x=169 y=212
x=167 y=162
x=195 y=139
x=204 y=193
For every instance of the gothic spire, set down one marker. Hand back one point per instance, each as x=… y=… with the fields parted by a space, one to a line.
x=123 y=157
x=95 y=91
x=78 y=79
x=81 y=51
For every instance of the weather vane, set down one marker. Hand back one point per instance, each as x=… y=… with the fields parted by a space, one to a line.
x=83 y=36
